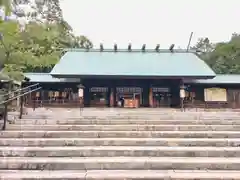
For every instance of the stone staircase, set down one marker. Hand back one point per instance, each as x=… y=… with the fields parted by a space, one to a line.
x=121 y=144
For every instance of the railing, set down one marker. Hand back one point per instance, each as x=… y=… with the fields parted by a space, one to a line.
x=22 y=92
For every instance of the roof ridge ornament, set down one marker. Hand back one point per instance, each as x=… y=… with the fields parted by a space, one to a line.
x=115 y=47
x=143 y=47
x=171 y=48
x=157 y=48
x=129 y=47
x=101 y=47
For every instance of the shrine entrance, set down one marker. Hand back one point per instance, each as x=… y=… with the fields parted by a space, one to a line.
x=161 y=97
x=129 y=96
x=99 y=96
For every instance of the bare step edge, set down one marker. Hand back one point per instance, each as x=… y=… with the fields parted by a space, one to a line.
x=121 y=174
x=118 y=134
x=131 y=127
x=32 y=142
x=119 y=163
x=113 y=151
x=126 y=122
x=123 y=148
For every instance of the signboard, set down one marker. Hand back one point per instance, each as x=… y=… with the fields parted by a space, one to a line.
x=99 y=89
x=160 y=89
x=215 y=94
x=129 y=89
x=80 y=93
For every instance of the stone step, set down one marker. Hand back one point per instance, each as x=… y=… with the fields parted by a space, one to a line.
x=119 y=163
x=130 y=127
x=126 y=122
x=217 y=142
x=121 y=175
x=139 y=116
x=113 y=151
x=118 y=134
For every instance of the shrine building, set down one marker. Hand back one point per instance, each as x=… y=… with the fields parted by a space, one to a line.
x=134 y=78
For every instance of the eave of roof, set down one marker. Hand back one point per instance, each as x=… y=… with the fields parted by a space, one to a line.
x=47 y=78
x=219 y=79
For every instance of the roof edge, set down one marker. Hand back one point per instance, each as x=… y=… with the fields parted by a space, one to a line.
x=130 y=76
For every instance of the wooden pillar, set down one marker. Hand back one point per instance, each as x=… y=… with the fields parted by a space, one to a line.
x=111 y=98
x=86 y=95
x=145 y=94
x=150 y=97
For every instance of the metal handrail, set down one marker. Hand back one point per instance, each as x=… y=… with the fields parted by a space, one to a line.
x=13 y=98
x=20 y=89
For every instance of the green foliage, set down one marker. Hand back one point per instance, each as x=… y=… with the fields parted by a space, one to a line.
x=41 y=10
x=36 y=49
x=223 y=57
x=7 y=5
x=38 y=46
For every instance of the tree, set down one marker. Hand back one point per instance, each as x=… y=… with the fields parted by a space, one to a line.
x=38 y=46
x=226 y=56
x=222 y=57
x=38 y=10
x=11 y=40
x=36 y=49
x=6 y=4
x=204 y=45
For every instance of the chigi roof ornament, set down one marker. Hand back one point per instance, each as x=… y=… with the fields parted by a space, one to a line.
x=143 y=47
x=101 y=47
x=115 y=47
x=157 y=47
x=129 y=49
x=171 y=47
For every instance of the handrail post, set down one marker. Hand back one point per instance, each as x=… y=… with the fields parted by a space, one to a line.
x=34 y=104
x=21 y=107
x=5 y=116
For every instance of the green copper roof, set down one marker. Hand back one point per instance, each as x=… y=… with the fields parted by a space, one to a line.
x=219 y=79
x=131 y=64
x=47 y=78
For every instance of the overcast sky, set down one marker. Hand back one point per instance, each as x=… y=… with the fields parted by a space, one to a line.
x=152 y=21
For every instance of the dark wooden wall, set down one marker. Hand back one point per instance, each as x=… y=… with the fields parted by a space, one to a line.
x=233 y=96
